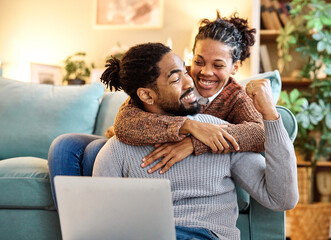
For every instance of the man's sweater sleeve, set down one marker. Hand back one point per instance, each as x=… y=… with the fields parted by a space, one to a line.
x=135 y=126
x=271 y=181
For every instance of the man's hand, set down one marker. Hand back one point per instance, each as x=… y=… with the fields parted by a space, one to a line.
x=260 y=92
x=110 y=132
x=212 y=135
x=171 y=153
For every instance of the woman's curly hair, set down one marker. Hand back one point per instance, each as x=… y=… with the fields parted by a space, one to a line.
x=233 y=32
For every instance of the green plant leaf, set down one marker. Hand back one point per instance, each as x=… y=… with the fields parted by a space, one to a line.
x=315 y=113
x=328 y=48
x=318 y=36
x=326 y=21
x=294 y=94
x=305 y=105
x=321 y=46
x=285 y=99
x=303 y=119
x=298 y=105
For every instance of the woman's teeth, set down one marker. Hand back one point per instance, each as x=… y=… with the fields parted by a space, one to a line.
x=207 y=82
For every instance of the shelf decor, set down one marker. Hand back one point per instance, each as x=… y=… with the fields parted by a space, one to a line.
x=76 y=69
x=308 y=32
x=46 y=74
x=124 y=14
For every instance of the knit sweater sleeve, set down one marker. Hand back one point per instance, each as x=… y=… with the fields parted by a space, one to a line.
x=135 y=126
x=271 y=181
x=245 y=122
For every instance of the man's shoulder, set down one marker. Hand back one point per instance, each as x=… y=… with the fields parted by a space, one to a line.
x=206 y=118
x=115 y=143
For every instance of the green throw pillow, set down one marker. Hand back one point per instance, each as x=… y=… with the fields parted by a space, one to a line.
x=32 y=115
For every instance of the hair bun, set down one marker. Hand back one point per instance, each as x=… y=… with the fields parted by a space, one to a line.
x=110 y=77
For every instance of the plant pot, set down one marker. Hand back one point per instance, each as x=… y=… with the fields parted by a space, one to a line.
x=310 y=221
x=76 y=81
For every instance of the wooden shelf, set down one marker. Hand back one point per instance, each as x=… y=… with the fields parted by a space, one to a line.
x=290 y=82
x=268 y=35
x=319 y=164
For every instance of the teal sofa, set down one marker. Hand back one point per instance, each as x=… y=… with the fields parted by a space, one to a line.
x=32 y=115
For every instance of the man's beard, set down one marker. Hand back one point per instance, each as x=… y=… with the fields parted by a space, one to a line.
x=176 y=109
x=181 y=110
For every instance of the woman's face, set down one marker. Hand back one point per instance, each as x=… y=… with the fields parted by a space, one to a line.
x=212 y=66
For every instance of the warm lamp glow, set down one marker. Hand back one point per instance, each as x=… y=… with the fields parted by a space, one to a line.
x=47 y=32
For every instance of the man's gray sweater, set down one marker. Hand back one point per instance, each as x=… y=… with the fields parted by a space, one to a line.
x=203 y=188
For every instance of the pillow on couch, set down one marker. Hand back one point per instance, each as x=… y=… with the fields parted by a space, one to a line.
x=32 y=115
x=275 y=82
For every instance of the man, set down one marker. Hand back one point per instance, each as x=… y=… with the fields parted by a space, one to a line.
x=203 y=190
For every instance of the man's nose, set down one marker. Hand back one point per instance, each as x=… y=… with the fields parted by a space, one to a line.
x=188 y=82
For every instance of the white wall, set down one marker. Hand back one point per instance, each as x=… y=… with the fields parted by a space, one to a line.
x=47 y=31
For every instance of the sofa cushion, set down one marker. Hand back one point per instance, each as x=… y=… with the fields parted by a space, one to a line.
x=275 y=82
x=243 y=199
x=108 y=109
x=32 y=115
x=24 y=184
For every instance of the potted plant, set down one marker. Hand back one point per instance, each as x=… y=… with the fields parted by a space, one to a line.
x=308 y=32
x=76 y=69
x=313 y=113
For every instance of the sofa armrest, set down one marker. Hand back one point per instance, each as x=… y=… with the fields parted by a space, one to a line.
x=108 y=109
x=289 y=121
x=265 y=223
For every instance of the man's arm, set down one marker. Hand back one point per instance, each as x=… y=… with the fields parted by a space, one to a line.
x=271 y=181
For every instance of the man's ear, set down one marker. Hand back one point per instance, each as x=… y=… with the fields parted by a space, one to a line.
x=235 y=67
x=146 y=95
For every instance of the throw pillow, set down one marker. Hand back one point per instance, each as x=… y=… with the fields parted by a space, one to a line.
x=32 y=115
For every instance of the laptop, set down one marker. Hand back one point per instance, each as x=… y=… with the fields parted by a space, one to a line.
x=114 y=208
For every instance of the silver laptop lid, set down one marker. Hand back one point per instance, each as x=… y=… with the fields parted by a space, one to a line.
x=114 y=208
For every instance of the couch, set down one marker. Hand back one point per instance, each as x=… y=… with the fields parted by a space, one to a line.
x=32 y=115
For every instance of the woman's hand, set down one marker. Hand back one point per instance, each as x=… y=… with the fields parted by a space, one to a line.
x=110 y=132
x=212 y=135
x=171 y=153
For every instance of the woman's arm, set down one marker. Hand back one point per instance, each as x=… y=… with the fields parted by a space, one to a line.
x=245 y=122
x=135 y=126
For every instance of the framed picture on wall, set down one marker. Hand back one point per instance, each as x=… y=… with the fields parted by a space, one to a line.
x=46 y=74
x=126 y=14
